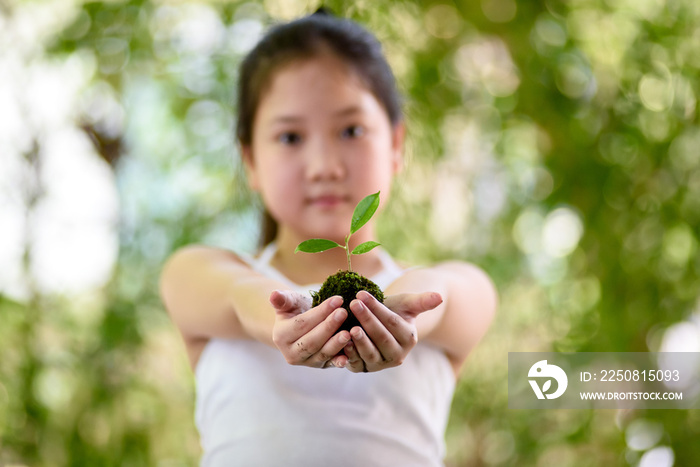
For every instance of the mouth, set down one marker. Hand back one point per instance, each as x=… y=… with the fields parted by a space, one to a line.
x=327 y=201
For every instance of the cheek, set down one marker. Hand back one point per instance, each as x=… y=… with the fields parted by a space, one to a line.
x=278 y=183
x=381 y=164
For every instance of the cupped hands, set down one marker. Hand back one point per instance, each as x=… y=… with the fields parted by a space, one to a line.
x=309 y=336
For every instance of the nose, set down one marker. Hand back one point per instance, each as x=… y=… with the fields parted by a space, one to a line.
x=323 y=162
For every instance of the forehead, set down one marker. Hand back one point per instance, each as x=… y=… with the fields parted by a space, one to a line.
x=321 y=83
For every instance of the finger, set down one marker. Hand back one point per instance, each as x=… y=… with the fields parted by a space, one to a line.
x=292 y=327
x=289 y=302
x=302 y=323
x=370 y=356
x=339 y=361
x=354 y=361
x=321 y=343
x=411 y=305
x=380 y=336
x=403 y=331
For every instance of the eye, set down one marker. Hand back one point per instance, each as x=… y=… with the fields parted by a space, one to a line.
x=353 y=131
x=289 y=138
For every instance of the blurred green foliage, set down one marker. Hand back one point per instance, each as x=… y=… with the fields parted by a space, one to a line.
x=554 y=143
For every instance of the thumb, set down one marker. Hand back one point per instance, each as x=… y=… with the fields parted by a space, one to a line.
x=410 y=305
x=289 y=303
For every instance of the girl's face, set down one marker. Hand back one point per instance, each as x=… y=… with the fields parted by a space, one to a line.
x=321 y=142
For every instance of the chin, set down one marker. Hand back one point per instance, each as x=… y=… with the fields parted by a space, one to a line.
x=335 y=234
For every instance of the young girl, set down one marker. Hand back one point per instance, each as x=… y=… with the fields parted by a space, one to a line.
x=320 y=128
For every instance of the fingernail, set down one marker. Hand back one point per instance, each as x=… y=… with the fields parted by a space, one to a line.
x=275 y=295
x=336 y=301
x=366 y=297
x=339 y=315
x=358 y=334
x=343 y=339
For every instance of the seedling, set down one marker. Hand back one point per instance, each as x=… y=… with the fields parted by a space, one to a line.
x=347 y=283
x=364 y=211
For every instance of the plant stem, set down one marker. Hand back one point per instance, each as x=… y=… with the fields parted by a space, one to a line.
x=347 y=251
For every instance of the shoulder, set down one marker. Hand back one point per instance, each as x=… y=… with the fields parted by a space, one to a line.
x=460 y=278
x=190 y=254
x=195 y=279
x=467 y=277
x=198 y=274
x=198 y=259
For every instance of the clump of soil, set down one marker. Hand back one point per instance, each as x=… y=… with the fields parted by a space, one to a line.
x=346 y=284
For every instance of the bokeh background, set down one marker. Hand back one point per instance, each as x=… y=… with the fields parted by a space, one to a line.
x=554 y=143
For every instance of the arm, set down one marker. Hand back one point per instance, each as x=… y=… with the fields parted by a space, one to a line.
x=212 y=293
x=470 y=302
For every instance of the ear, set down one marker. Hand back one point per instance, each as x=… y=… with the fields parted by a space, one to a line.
x=398 y=134
x=250 y=169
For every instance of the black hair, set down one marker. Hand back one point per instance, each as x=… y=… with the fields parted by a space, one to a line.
x=306 y=38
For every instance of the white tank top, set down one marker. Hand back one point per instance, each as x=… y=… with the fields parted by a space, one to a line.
x=254 y=409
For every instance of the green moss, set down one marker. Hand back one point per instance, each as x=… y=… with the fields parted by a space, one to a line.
x=346 y=284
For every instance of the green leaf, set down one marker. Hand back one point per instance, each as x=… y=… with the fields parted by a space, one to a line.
x=364 y=211
x=316 y=245
x=365 y=247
